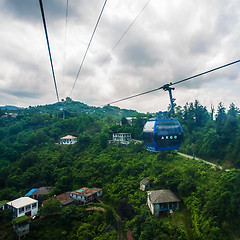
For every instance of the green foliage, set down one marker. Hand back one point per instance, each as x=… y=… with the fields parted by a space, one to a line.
x=30 y=158
x=22 y=219
x=50 y=206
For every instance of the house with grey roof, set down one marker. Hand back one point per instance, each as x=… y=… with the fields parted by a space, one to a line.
x=162 y=200
x=37 y=193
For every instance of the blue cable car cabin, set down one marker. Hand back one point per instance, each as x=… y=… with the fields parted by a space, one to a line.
x=162 y=134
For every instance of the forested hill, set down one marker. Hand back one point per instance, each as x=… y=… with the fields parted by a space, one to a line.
x=30 y=157
x=211 y=135
x=75 y=108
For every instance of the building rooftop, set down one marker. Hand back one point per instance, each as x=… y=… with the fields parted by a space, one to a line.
x=162 y=196
x=21 y=202
x=31 y=191
x=68 y=137
x=121 y=133
x=39 y=191
x=86 y=191
x=65 y=198
x=144 y=181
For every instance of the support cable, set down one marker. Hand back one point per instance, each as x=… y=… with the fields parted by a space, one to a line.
x=49 y=51
x=88 y=47
x=175 y=83
x=65 y=42
x=125 y=32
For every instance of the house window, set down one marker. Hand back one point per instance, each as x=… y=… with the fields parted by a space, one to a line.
x=34 y=205
x=28 y=207
x=21 y=210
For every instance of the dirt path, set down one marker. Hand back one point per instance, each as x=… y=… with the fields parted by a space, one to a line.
x=95 y=209
x=201 y=160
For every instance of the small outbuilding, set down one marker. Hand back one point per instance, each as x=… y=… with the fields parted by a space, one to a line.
x=21 y=226
x=67 y=140
x=144 y=184
x=162 y=200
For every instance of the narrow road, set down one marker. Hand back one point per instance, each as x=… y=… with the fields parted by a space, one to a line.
x=201 y=160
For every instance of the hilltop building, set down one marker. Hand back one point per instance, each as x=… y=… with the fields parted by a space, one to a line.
x=144 y=184
x=37 y=193
x=65 y=199
x=23 y=206
x=162 y=200
x=86 y=194
x=69 y=139
x=122 y=137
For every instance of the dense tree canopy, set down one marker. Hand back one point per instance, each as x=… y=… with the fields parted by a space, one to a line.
x=30 y=156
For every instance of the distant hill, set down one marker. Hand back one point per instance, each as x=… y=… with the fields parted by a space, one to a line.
x=76 y=108
x=9 y=107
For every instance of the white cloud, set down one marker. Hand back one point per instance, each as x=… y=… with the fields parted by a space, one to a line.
x=171 y=40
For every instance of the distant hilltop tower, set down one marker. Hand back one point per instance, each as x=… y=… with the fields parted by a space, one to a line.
x=68 y=99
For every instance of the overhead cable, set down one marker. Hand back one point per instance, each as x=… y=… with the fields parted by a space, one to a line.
x=125 y=32
x=175 y=83
x=48 y=45
x=65 y=42
x=88 y=46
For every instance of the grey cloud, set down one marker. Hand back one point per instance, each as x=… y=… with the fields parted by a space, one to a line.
x=29 y=10
x=139 y=55
x=169 y=42
x=23 y=94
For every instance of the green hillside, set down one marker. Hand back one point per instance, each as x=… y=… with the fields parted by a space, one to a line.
x=30 y=158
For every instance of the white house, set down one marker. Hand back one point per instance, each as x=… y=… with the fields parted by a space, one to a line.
x=121 y=137
x=69 y=139
x=162 y=200
x=23 y=206
x=86 y=194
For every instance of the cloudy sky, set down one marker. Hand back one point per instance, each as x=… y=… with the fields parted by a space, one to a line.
x=169 y=41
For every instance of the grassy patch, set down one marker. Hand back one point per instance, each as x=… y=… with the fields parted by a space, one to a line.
x=231 y=229
x=182 y=217
x=49 y=228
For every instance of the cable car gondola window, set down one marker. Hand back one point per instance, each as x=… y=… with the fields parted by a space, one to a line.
x=148 y=133
x=168 y=133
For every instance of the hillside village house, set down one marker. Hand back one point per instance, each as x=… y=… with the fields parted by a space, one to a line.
x=21 y=226
x=23 y=206
x=144 y=184
x=65 y=199
x=86 y=194
x=122 y=137
x=69 y=139
x=37 y=193
x=162 y=200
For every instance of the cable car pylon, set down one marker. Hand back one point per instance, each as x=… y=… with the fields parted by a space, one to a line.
x=163 y=133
